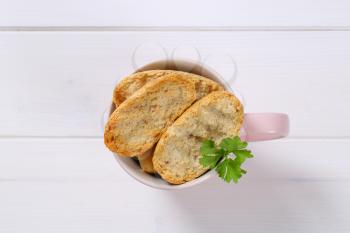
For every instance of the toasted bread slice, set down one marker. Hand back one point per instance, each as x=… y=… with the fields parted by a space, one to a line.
x=134 y=82
x=130 y=84
x=145 y=161
x=215 y=116
x=138 y=123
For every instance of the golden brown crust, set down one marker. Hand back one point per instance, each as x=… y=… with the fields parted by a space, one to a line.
x=145 y=161
x=137 y=124
x=130 y=84
x=216 y=116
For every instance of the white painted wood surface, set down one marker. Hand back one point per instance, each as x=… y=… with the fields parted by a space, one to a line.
x=59 y=61
x=180 y=13
x=66 y=79
x=74 y=185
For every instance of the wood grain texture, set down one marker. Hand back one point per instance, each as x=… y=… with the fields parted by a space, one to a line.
x=126 y=13
x=60 y=83
x=56 y=82
x=75 y=185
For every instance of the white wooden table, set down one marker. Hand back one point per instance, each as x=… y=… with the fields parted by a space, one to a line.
x=59 y=61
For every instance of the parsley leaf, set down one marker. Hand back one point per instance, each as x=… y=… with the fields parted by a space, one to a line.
x=208 y=147
x=210 y=156
x=229 y=169
x=243 y=153
x=231 y=144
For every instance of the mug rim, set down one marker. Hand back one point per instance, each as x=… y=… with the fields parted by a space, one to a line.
x=213 y=75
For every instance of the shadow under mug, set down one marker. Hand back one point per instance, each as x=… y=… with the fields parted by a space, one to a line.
x=256 y=126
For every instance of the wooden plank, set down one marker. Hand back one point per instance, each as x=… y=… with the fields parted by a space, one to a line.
x=50 y=185
x=60 y=83
x=156 y=13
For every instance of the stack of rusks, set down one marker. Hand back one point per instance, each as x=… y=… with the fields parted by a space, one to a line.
x=163 y=116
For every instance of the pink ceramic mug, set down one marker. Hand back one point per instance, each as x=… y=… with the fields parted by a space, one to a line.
x=256 y=126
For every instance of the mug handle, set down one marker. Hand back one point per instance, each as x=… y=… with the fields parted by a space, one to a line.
x=264 y=126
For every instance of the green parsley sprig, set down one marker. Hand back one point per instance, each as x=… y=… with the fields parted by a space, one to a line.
x=220 y=157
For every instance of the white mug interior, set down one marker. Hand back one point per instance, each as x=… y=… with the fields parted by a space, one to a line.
x=131 y=166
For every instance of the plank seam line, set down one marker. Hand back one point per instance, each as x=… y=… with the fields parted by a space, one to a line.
x=293 y=138
x=170 y=28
